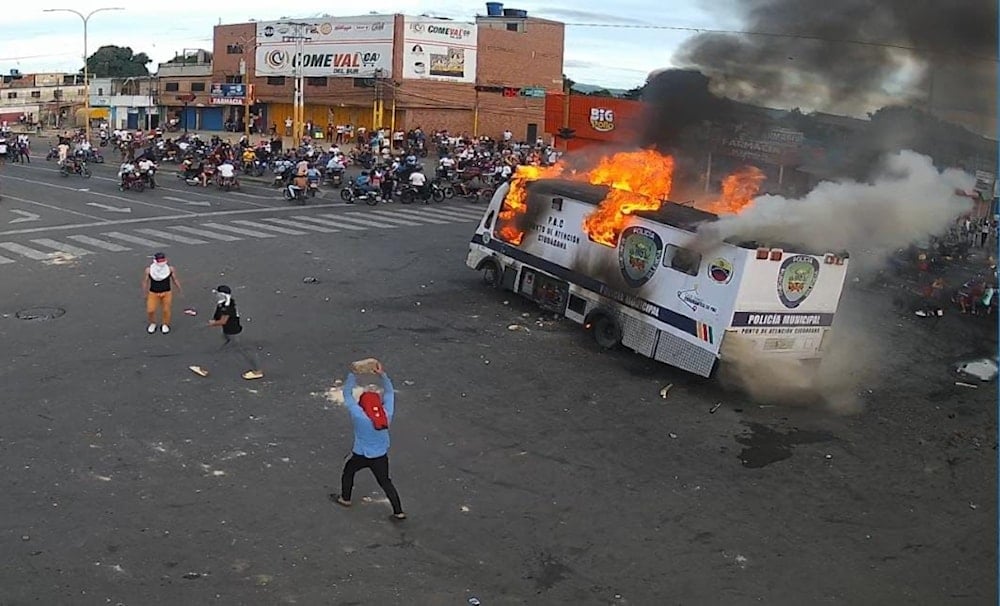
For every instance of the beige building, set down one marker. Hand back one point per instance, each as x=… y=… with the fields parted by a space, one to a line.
x=50 y=100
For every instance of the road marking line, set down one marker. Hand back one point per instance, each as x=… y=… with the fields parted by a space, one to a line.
x=280 y=230
x=25 y=216
x=156 y=233
x=386 y=215
x=5 y=260
x=420 y=217
x=299 y=224
x=454 y=212
x=352 y=218
x=472 y=211
x=134 y=240
x=237 y=230
x=330 y=223
x=50 y=207
x=98 y=243
x=95 y=193
x=24 y=251
x=439 y=214
x=207 y=234
x=69 y=249
x=113 y=209
x=191 y=202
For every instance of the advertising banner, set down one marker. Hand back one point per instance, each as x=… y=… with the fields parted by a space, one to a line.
x=438 y=49
x=348 y=47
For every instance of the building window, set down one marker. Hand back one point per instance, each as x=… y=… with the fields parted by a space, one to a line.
x=682 y=259
x=100 y=91
x=513 y=27
x=171 y=87
x=234 y=79
x=234 y=49
x=364 y=83
x=316 y=81
x=197 y=87
x=276 y=80
x=36 y=94
x=12 y=95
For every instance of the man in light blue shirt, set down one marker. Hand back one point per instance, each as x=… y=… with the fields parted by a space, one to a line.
x=371 y=416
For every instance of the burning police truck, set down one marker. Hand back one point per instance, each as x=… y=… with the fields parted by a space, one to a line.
x=603 y=248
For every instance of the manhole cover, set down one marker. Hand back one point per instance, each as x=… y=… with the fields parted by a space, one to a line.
x=40 y=313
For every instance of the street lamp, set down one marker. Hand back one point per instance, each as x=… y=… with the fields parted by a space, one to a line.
x=86 y=73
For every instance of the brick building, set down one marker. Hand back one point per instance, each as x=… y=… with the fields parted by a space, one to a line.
x=183 y=87
x=48 y=99
x=479 y=78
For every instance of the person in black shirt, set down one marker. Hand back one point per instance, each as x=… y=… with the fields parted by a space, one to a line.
x=228 y=317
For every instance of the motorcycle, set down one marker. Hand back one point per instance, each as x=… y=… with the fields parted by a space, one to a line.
x=438 y=192
x=74 y=168
x=353 y=193
x=150 y=178
x=296 y=195
x=94 y=156
x=53 y=154
x=313 y=188
x=228 y=183
x=190 y=179
x=336 y=178
x=410 y=194
x=132 y=181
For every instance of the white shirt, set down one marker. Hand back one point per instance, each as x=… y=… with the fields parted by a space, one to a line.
x=447 y=162
x=85 y=146
x=145 y=164
x=126 y=168
x=507 y=135
x=226 y=171
x=418 y=179
x=506 y=170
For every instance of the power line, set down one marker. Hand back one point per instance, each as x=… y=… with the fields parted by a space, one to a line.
x=701 y=30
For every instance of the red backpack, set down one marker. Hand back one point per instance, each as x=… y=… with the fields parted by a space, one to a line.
x=371 y=403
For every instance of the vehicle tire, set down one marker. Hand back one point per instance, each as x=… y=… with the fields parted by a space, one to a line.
x=372 y=200
x=438 y=195
x=312 y=193
x=99 y=159
x=492 y=274
x=138 y=186
x=607 y=335
x=347 y=194
x=63 y=172
x=406 y=197
x=286 y=194
x=448 y=191
x=85 y=173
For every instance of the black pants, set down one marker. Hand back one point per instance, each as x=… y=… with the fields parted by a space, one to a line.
x=235 y=344
x=380 y=469
x=982 y=239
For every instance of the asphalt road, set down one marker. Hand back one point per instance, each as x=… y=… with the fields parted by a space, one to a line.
x=535 y=470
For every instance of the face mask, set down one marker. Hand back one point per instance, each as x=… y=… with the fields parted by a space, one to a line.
x=221 y=298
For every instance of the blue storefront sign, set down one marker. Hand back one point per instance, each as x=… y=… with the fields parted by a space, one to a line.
x=229 y=90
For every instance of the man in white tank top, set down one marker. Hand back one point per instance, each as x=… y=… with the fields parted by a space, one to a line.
x=157 y=281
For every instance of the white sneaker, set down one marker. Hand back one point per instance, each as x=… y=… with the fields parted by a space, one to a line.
x=151 y=328
x=165 y=329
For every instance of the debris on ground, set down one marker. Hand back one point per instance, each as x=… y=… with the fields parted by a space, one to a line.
x=192 y=575
x=666 y=390
x=198 y=370
x=964 y=384
x=310 y=280
x=983 y=369
x=712 y=410
x=672 y=435
x=190 y=311
x=514 y=327
x=741 y=561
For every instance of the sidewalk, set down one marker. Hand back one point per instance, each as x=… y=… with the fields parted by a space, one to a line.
x=204 y=135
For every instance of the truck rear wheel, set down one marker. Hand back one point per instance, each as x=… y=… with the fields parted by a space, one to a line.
x=607 y=334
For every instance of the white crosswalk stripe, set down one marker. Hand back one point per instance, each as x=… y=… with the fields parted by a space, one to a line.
x=354 y=218
x=386 y=215
x=150 y=244
x=238 y=230
x=448 y=214
x=156 y=233
x=96 y=243
x=380 y=218
x=420 y=216
x=24 y=251
x=330 y=223
x=207 y=234
x=301 y=225
x=274 y=228
x=69 y=249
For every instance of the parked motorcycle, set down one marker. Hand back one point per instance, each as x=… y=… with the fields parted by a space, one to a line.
x=410 y=194
x=353 y=193
x=74 y=168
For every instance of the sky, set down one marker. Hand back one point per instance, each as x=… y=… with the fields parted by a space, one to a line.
x=615 y=57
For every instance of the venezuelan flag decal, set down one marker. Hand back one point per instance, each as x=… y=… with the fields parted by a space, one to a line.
x=705 y=332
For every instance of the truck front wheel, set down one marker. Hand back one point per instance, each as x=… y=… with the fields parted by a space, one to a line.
x=491 y=273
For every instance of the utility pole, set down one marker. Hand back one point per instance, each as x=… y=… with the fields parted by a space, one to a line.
x=248 y=48
x=378 y=107
x=298 y=101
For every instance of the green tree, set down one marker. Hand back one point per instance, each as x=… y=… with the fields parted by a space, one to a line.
x=117 y=62
x=601 y=92
x=635 y=93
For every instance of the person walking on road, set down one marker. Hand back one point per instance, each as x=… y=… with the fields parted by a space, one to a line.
x=371 y=415
x=157 y=282
x=228 y=317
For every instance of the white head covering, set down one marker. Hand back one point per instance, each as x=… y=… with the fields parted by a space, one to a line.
x=159 y=270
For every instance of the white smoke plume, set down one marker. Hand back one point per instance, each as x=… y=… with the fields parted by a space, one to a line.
x=907 y=200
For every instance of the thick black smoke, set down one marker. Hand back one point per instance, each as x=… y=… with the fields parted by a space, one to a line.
x=953 y=70
x=679 y=106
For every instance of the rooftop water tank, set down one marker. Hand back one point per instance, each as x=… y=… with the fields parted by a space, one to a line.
x=494 y=9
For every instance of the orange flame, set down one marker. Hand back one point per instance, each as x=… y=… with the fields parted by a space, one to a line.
x=738 y=191
x=515 y=203
x=638 y=181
